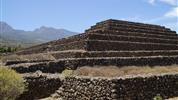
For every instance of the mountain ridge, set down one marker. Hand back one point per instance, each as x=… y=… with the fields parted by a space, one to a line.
x=9 y=35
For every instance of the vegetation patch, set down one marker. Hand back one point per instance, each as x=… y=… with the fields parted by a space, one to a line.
x=11 y=84
x=6 y=49
x=67 y=72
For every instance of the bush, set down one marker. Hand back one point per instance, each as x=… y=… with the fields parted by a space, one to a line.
x=67 y=72
x=6 y=49
x=157 y=97
x=11 y=84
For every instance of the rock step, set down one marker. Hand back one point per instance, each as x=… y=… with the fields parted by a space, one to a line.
x=111 y=21
x=51 y=44
x=126 y=29
x=79 y=37
x=76 y=45
x=87 y=54
x=101 y=45
x=125 y=37
x=40 y=85
x=73 y=63
x=95 y=36
x=130 y=26
x=133 y=34
x=44 y=67
x=15 y=59
x=11 y=62
x=104 y=45
x=159 y=28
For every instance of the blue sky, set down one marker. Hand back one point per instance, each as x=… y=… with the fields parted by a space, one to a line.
x=78 y=15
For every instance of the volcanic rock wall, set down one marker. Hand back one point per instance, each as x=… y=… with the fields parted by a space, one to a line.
x=60 y=65
x=40 y=86
x=121 y=88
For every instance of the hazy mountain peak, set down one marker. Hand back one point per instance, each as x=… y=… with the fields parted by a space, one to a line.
x=52 y=31
x=4 y=27
x=44 y=29
x=42 y=34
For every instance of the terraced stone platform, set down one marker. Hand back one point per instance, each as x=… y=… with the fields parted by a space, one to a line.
x=113 y=39
x=72 y=63
x=110 y=42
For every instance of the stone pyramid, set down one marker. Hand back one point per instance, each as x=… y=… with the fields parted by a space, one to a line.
x=110 y=42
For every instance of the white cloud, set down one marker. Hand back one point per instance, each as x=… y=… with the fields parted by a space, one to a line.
x=170 y=2
x=151 y=2
x=170 y=18
x=172 y=13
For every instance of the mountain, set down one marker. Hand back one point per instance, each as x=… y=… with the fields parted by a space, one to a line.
x=9 y=35
x=5 y=27
x=49 y=33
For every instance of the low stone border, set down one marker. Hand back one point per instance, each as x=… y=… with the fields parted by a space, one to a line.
x=40 y=86
x=140 y=87
x=73 y=63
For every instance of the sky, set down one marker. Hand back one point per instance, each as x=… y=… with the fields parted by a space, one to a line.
x=78 y=15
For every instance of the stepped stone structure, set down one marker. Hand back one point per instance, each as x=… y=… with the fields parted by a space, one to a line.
x=110 y=42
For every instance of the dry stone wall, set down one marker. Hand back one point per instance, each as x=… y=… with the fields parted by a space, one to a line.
x=72 y=42
x=40 y=86
x=103 y=45
x=136 y=34
x=73 y=63
x=71 y=54
x=120 y=88
x=96 y=36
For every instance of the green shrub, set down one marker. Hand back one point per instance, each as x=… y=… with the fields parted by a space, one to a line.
x=11 y=84
x=67 y=72
x=158 y=97
x=6 y=49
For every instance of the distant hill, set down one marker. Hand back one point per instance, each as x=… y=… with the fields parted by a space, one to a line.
x=11 y=36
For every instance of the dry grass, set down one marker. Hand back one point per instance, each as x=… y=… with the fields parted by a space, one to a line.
x=113 y=71
x=176 y=98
